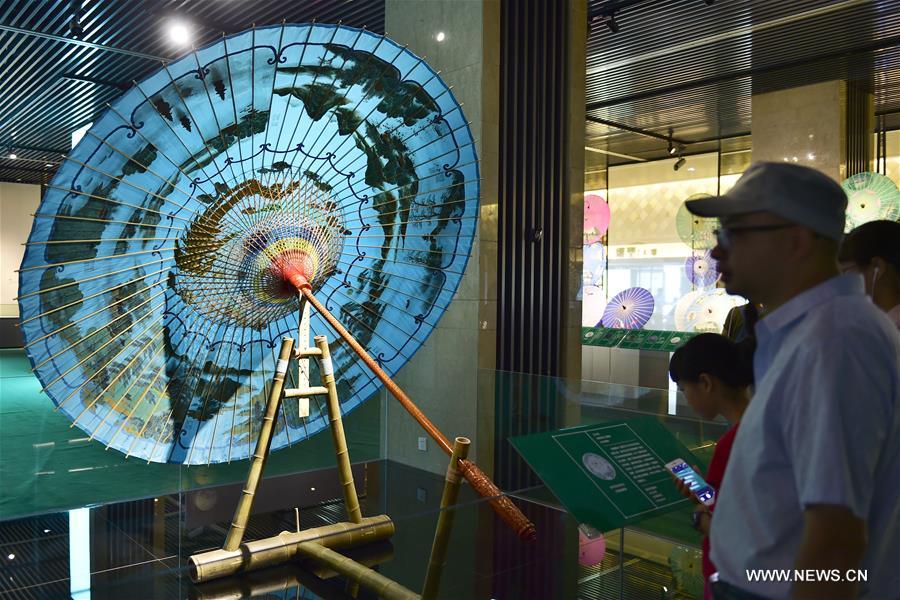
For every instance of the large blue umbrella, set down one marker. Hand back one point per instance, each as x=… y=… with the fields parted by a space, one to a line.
x=152 y=294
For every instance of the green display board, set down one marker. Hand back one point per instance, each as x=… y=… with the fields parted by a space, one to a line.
x=602 y=336
x=634 y=339
x=608 y=475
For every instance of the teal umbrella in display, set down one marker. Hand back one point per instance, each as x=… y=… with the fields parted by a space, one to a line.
x=155 y=285
x=870 y=196
x=696 y=232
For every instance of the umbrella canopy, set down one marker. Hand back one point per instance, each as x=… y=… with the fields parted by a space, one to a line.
x=870 y=196
x=153 y=291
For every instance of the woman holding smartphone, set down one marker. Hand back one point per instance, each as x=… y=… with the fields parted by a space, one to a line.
x=715 y=375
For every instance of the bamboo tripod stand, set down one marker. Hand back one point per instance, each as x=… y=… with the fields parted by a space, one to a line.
x=319 y=543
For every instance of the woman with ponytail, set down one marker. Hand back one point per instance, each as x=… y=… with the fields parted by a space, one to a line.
x=715 y=375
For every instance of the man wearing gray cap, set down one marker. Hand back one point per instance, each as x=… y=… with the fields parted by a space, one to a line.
x=810 y=503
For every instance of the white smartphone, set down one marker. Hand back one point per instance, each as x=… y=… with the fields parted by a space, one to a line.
x=683 y=471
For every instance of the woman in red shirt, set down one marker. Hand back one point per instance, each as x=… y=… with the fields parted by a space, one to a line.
x=715 y=375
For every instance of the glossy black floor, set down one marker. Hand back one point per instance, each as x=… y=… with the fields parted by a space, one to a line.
x=139 y=549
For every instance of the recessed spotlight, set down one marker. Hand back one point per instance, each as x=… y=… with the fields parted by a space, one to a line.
x=795 y=159
x=46 y=531
x=179 y=33
x=441 y=36
x=811 y=156
x=48 y=165
x=691 y=169
x=312 y=489
x=13 y=156
x=10 y=556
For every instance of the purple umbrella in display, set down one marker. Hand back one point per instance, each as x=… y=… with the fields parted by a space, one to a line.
x=630 y=309
x=701 y=269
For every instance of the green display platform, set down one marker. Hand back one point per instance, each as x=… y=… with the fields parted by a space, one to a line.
x=609 y=475
x=634 y=339
x=46 y=464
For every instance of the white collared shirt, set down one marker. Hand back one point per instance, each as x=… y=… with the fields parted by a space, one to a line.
x=823 y=427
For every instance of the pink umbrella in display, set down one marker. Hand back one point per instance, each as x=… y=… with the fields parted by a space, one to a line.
x=629 y=309
x=596 y=218
x=701 y=269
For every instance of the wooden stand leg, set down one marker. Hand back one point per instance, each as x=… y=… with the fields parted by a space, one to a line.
x=445 y=520
x=337 y=433
x=245 y=504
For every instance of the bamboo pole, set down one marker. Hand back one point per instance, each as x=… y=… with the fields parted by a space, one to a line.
x=259 y=554
x=480 y=482
x=337 y=432
x=445 y=520
x=369 y=579
x=245 y=504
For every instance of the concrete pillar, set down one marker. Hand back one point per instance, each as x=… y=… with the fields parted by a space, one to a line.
x=824 y=125
x=461 y=38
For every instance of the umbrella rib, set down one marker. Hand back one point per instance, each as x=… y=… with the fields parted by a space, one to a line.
x=96 y=331
x=114 y=201
x=91 y=355
x=76 y=302
x=124 y=394
x=95 y=277
x=95 y=259
x=98 y=241
x=137 y=404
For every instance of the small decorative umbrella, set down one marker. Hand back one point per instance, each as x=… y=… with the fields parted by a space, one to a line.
x=704 y=310
x=156 y=282
x=596 y=218
x=870 y=196
x=701 y=269
x=594 y=264
x=696 y=232
x=629 y=309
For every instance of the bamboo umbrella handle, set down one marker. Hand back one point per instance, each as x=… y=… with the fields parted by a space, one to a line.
x=480 y=482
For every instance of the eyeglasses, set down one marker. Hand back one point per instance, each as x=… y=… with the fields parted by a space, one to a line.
x=726 y=235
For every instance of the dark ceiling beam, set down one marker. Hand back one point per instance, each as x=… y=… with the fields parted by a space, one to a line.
x=27 y=169
x=14 y=146
x=75 y=42
x=115 y=84
x=612 y=6
x=884 y=44
x=644 y=132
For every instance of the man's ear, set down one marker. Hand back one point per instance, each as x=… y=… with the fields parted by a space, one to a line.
x=705 y=382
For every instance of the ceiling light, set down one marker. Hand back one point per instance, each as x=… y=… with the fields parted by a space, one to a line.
x=46 y=531
x=679 y=163
x=691 y=169
x=179 y=33
x=13 y=156
x=441 y=36
x=48 y=165
x=11 y=556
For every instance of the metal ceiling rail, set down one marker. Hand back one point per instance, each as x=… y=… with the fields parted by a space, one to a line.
x=726 y=35
x=67 y=40
x=680 y=87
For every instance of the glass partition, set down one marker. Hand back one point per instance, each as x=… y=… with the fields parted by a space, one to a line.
x=145 y=544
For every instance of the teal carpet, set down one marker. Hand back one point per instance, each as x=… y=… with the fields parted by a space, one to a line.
x=48 y=465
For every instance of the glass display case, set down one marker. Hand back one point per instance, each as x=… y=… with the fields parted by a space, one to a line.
x=82 y=522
